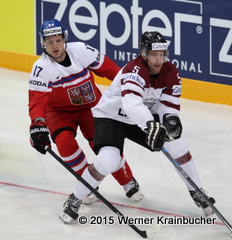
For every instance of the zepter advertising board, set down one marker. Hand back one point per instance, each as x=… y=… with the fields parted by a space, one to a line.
x=199 y=33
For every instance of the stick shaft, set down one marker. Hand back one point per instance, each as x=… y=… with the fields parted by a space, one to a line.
x=107 y=203
x=185 y=175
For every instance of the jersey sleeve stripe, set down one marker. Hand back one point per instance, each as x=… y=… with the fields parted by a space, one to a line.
x=130 y=91
x=100 y=60
x=124 y=82
x=171 y=99
x=168 y=104
x=94 y=64
x=69 y=78
x=132 y=87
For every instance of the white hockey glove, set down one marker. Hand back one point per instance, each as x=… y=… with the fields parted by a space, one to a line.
x=156 y=134
x=173 y=126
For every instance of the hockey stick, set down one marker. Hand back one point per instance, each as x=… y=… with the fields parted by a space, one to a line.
x=185 y=175
x=145 y=234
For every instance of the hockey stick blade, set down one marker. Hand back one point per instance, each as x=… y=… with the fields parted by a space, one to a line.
x=143 y=233
x=185 y=175
x=153 y=231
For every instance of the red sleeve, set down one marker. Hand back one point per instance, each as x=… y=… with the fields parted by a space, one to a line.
x=108 y=69
x=173 y=88
x=172 y=78
x=37 y=104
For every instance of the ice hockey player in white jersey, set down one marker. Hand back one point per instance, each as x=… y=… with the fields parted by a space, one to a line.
x=62 y=92
x=142 y=104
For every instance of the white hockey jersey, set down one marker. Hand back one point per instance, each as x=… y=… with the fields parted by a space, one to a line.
x=134 y=95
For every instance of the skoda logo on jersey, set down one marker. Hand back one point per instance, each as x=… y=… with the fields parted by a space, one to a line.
x=159 y=46
x=38 y=83
x=52 y=31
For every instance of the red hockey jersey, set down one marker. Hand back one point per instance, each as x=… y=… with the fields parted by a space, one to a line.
x=53 y=86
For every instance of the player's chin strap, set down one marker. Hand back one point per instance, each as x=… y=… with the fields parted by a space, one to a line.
x=145 y=234
x=185 y=175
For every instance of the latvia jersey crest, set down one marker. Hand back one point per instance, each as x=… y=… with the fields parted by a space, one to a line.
x=82 y=94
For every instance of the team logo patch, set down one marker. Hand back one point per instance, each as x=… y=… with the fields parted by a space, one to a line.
x=52 y=31
x=82 y=94
x=159 y=46
x=176 y=89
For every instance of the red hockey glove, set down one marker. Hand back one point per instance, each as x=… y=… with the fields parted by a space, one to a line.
x=39 y=136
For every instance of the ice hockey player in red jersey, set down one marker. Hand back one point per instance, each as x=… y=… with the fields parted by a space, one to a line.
x=62 y=92
x=142 y=104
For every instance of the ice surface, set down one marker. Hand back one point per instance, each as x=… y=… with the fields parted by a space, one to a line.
x=33 y=186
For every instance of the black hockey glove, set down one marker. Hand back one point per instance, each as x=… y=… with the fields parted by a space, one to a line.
x=156 y=134
x=39 y=136
x=173 y=126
